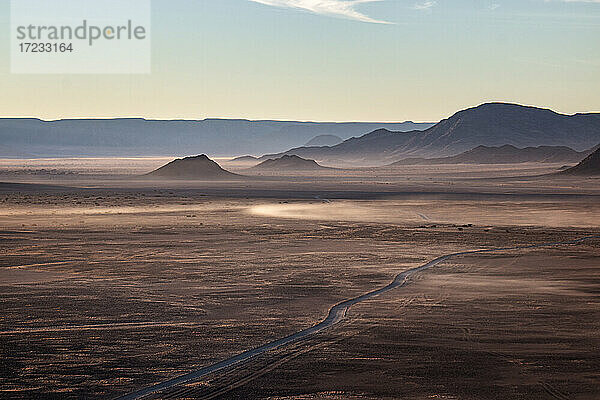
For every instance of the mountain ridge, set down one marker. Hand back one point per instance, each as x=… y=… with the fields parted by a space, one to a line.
x=506 y=154
x=490 y=124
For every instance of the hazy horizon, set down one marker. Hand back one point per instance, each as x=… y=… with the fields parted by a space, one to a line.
x=234 y=118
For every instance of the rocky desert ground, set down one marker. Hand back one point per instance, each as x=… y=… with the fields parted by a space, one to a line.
x=110 y=284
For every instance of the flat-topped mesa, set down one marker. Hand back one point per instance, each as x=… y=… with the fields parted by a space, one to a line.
x=193 y=168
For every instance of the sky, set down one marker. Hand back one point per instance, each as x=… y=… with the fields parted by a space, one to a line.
x=334 y=60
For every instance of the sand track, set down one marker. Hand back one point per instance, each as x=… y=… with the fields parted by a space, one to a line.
x=336 y=314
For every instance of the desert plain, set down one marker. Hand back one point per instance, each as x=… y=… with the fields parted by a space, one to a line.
x=110 y=283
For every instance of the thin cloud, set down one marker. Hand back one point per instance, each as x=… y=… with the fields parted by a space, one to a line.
x=424 y=5
x=334 y=8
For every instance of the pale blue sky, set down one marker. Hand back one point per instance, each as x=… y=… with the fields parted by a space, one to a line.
x=240 y=58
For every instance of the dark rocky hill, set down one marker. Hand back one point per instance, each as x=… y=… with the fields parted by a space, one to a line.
x=589 y=166
x=194 y=168
x=288 y=163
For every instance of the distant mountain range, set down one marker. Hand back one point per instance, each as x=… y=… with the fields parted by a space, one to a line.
x=492 y=124
x=489 y=125
x=506 y=154
x=139 y=137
